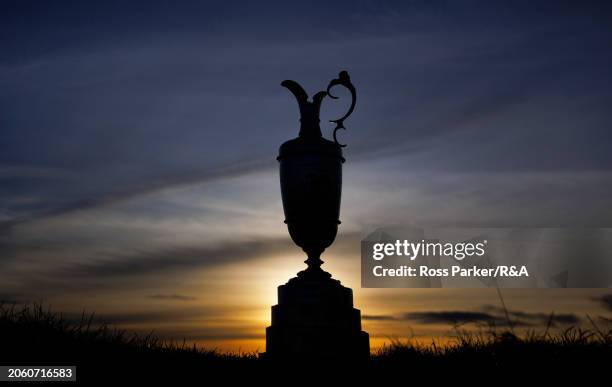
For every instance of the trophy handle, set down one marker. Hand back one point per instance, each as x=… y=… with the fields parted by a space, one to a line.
x=343 y=80
x=309 y=111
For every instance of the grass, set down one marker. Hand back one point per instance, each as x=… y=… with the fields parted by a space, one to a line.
x=34 y=335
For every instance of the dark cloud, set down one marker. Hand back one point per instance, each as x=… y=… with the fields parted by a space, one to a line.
x=492 y=315
x=606 y=301
x=216 y=334
x=367 y=317
x=522 y=317
x=225 y=336
x=8 y=298
x=140 y=323
x=155 y=317
x=453 y=317
x=173 y=297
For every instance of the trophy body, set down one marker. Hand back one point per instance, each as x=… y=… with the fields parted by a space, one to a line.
x=311 y=187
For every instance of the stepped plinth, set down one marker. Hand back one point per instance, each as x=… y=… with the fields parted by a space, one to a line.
x=315 y=317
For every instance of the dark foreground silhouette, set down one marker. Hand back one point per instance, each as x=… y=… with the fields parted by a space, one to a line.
x=32 y=335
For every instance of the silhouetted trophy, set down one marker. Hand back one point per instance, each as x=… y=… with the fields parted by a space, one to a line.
x=314 y=317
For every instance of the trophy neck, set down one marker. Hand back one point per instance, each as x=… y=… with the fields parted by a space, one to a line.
x=309 y=123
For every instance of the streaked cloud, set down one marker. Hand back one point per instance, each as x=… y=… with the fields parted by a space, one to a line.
x=181 y=258
x=368 y=317
x=172 y=297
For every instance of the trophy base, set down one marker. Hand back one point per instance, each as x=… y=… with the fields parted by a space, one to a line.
x=315 y=318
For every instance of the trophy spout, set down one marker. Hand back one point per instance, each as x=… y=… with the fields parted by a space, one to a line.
x=309 y=111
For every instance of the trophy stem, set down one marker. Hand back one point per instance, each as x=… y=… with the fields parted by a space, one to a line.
x=314 y=263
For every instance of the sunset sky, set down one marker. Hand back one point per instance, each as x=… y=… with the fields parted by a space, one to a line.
x=138 y=177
